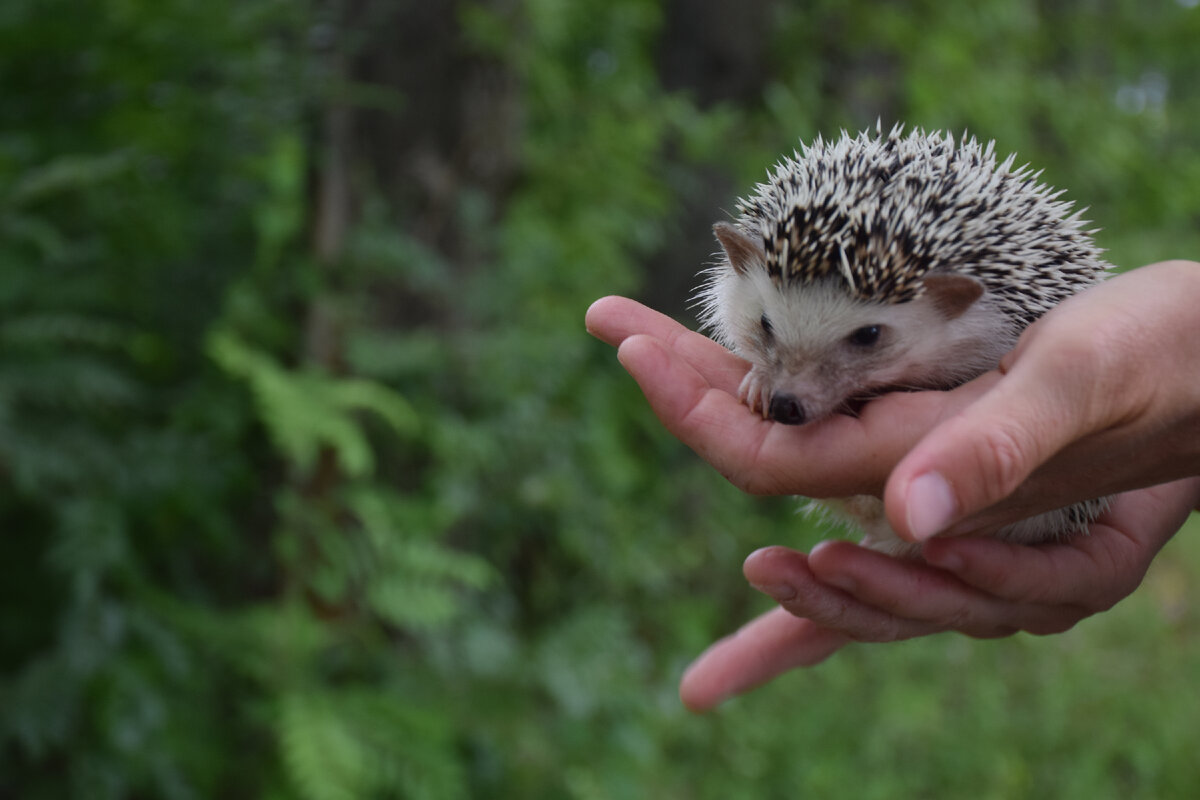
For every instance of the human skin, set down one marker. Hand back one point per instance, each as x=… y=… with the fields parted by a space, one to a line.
x=1101 y=396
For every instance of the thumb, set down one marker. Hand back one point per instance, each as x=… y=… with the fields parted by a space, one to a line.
x=982 y=454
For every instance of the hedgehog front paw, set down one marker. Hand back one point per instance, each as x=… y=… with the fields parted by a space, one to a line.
x=755 y=391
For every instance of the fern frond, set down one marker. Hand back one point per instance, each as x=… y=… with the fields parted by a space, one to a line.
x=65 y=174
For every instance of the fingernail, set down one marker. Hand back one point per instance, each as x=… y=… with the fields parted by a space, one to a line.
x=779 y=592
x=821 y=545
x=931 y=505
x=838 y=580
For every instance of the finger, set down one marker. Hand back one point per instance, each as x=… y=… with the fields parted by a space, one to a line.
x=786 y=577
x=615 y=319
x=982 y=454
x=1093 y=571
x=918 y=592
x=836 y=457
x=1092 y=364
x=758 y=456
x=1047 y=574
x=761 y=650
x=710 y=421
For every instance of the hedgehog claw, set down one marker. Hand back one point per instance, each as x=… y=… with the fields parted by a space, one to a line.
x=754 y=392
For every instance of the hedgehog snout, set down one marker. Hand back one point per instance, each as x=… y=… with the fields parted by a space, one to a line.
x=786 y=408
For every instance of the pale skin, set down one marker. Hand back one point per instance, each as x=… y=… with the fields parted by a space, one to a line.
x=1101 y=396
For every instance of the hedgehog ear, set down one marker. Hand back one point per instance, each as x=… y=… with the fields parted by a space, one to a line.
x=951 y=293
x=741 y=249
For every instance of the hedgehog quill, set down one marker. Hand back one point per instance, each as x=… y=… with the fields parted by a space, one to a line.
x=889 y=262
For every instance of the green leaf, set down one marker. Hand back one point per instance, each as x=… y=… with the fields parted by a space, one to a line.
x=67 y=174
x=306 y=410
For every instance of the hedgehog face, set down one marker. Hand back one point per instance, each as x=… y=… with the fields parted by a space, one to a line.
x=814 y=348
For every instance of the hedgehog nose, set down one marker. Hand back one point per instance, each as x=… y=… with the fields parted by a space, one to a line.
x=786 y=408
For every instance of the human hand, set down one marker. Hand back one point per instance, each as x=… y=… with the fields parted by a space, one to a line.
x=691 y=383
x=1143 y=327
x=1100 y=396
x=981 y=587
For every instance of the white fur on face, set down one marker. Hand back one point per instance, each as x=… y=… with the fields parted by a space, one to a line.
x=809 y=355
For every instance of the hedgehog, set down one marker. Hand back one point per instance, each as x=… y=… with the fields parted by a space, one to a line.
x=878 y=263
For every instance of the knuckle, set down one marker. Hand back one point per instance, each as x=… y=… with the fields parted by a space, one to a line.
x=1112 y=358
x=948 y=609
x=956 y=618
x=836 y=614
x=850 y=620
x=1060 y=622
x=1112 y=595
x=1006 y=457
x=1038 y=584
x=993 y=632
x=756 y=483
x=1072 y=348
x=744 y=480
x=878 y=632
x=1115 y=576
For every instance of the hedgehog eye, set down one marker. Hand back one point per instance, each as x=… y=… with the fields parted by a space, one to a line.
x=768 y=328
x=865 y=336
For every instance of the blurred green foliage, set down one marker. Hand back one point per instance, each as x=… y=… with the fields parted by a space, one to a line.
x=292 y=513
